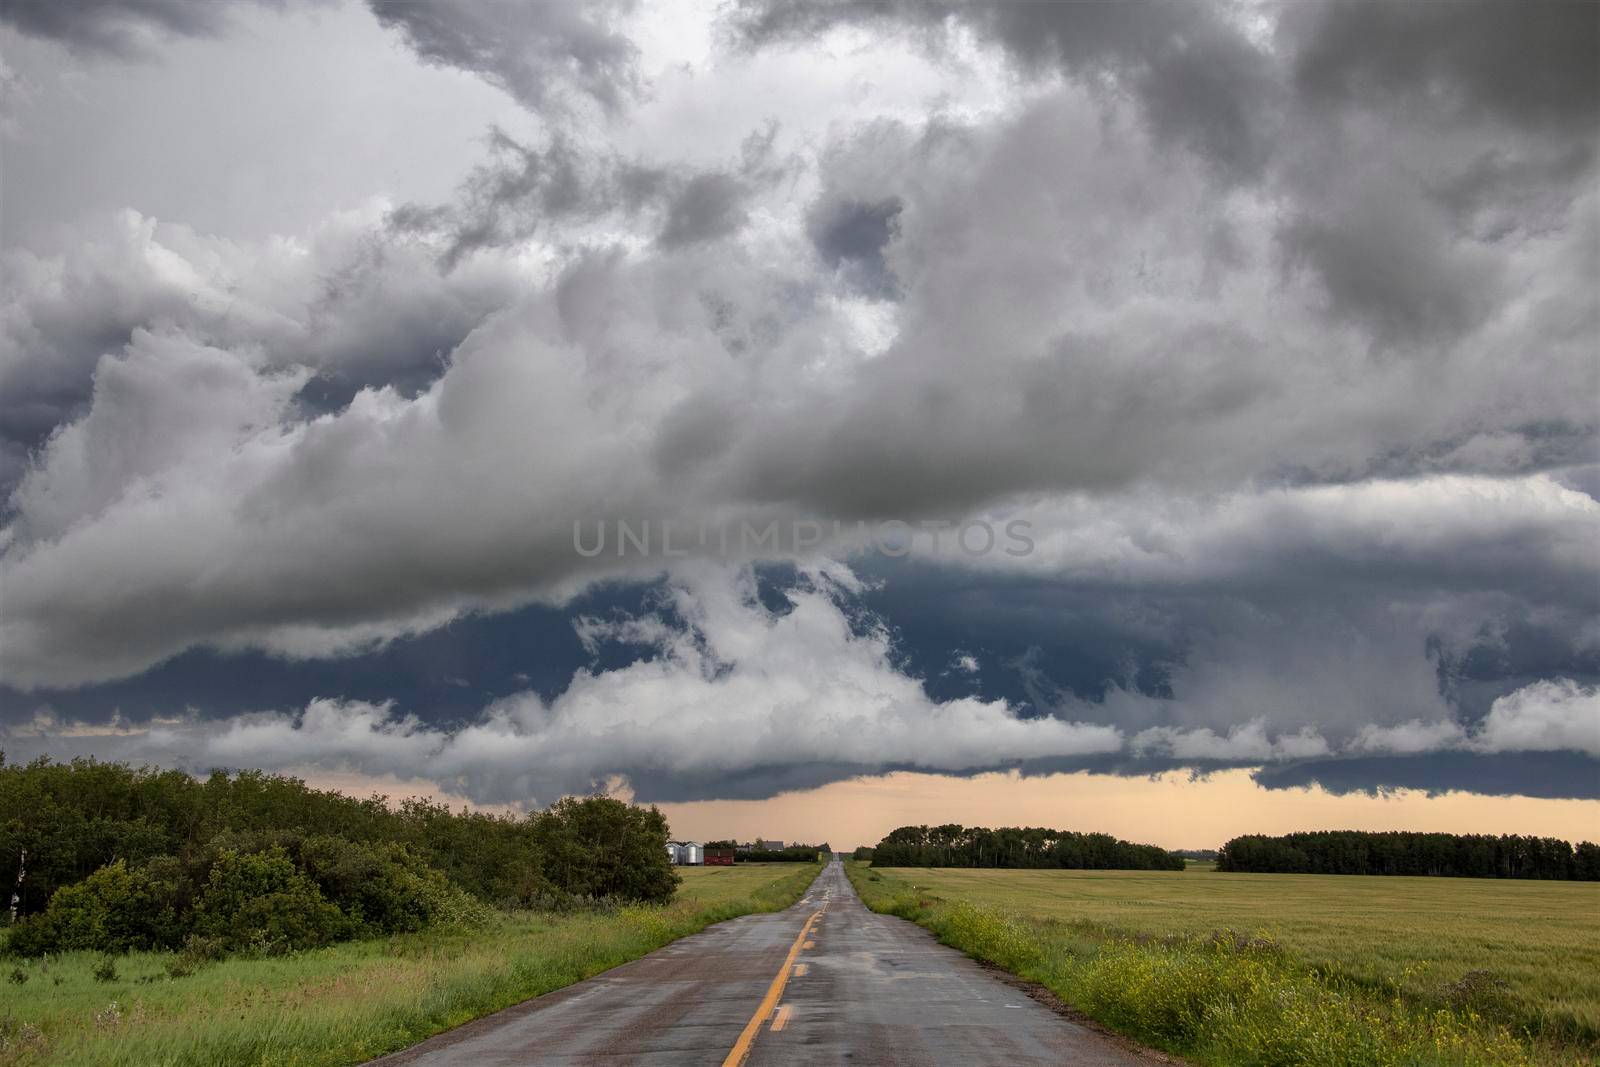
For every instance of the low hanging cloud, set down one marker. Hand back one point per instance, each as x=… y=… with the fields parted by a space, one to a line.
x=738 y=687
x=1556 y=715
x=797 y=697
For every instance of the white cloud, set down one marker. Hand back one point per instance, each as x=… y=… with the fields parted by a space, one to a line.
x=1551 y=715
x=799 y=696
x=1546 y=716
x=739 y=688
x=1246 y=742
x=1409 y=738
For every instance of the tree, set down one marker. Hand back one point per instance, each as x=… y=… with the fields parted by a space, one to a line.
x=598 y=846
x=259 y=900
x=113 y=910
x=1402 y=853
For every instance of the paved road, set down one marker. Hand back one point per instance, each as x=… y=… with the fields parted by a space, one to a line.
x=825 y=982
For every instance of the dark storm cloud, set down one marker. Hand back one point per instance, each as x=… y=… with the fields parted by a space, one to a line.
x=1387 y=269
x=851 y=236
x=1533 y=62
x=1273 y=355
x=744 y=783
x=1088 y=654
x=1486 y=110
x=1199 y=81
x=525 y=190
x=707 y=207
x=1498 y=194
x=518 y=191
x=1531 y=774
x=1391 y=253
x=534 y=648
x=116 y=27
x=366 y=306
x=534 y=51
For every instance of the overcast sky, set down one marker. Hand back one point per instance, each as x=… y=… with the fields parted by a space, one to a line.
x=1269 y=329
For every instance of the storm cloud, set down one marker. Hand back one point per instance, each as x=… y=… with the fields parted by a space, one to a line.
x=536 y=52
x=1276 y=326
x=122 y=28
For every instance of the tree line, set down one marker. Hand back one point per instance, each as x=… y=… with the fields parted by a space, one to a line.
x=1406 y=853
x=952 y=845
x=109 y=857
x=791 y=854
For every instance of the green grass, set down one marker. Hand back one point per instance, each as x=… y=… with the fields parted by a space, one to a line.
x=1314 y=969
x=348 y=1003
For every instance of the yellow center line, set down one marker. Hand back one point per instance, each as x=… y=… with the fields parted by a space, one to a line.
x=741 y=1048
x=800 y=969
x=780 y=1020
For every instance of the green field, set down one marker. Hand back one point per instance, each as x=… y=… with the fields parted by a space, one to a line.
x=1501 y=957
x=710 y=887
x=349 y=1002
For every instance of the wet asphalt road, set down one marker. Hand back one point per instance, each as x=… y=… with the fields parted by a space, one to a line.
x=825 y=982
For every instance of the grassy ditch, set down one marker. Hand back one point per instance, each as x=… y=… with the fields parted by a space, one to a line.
x=348 y=1002
x=1231 y=996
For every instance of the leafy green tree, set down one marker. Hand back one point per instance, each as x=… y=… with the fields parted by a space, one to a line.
x=1406 y=853
x=260 y=901
x=599 y=846
x=952 y=845
x=113 y=910
x=159 y=858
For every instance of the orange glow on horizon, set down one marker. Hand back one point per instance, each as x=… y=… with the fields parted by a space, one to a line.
x=1172 y=810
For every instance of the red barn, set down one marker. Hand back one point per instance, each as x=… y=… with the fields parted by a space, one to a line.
x=719 y=857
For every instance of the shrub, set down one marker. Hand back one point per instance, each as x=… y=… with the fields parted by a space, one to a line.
x=113 y=910
x=30 y=936
x=259 y=901
x=106 y=969
x=601 y=847
x=388 y=888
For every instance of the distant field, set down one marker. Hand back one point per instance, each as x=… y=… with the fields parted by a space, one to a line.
x=713 y=886
x=1421 y=933
x=1416 y=938
x=349 y=1002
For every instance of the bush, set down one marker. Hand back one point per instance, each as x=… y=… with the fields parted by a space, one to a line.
x=113 y=910
x=31 y=936
x=70 y=817
x=387 y=889
x=601 y=847
x=259 y=901
x=264 y=862
x=793 y=854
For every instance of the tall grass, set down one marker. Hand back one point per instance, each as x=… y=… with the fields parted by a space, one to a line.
x=1524 y=952
x=347 y=1003
x=1220 y=998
